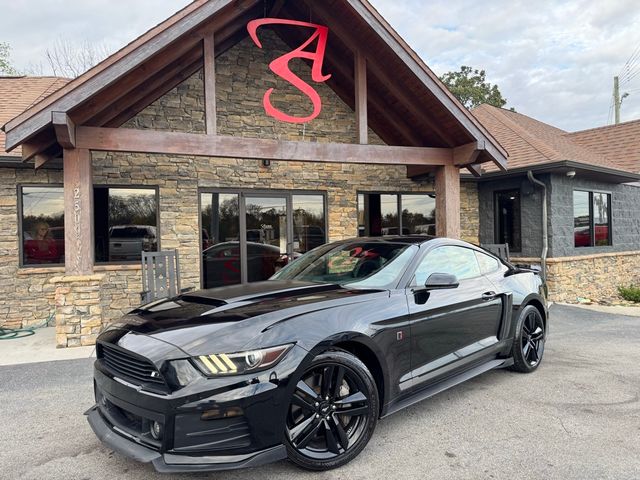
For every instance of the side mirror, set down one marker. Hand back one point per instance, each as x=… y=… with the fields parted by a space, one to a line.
x=441 y=281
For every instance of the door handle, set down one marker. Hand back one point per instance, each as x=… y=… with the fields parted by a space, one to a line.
x=489 y=296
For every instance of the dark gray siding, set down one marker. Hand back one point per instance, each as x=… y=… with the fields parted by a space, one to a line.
x=625 y=216
x=531 y=212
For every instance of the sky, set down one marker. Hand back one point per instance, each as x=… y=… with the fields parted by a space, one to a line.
x=553 y=60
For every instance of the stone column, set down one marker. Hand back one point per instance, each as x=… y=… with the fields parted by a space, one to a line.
x=79 y=317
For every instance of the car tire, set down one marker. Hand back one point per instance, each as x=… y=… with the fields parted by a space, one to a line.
x=318 y=436
x=528 y=343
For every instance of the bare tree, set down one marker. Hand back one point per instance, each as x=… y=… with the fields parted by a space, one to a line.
x=71 y=59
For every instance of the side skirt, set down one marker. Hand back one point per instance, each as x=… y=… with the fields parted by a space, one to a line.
x=447 y=383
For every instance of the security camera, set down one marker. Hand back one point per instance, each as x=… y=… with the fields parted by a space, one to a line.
x=571 y=173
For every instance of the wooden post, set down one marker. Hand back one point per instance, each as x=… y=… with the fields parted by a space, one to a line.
x=210 y=84
x=448 y=201
x=360 y=80
x=78 y=212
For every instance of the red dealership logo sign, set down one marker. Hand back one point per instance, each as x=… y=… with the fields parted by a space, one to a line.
x=280 y=66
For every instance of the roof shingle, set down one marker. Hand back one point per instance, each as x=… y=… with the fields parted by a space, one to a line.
x=531 y=142
x=19 y=93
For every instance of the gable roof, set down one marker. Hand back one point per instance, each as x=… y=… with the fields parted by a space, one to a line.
x=532 y=143
x=415 y=94
x=20 y=93
x=619 y=143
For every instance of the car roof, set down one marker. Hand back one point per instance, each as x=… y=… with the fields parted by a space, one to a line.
x=410 y=239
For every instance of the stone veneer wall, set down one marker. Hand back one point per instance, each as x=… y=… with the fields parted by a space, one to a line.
x=469 y=212
x=596 y=276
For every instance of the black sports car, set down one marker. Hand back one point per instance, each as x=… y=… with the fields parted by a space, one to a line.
x=303 y=365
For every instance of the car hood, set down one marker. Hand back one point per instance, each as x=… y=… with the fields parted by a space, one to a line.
x=224 y=320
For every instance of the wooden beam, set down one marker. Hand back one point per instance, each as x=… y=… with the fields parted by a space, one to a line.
x=174 y=143
x=31 y=149
x=360 y=81
x=448 y=201
x=65 y=129
x=467 y=154
x=78 y=212
x=210 y=84
x=475 y=169
x=40 y=160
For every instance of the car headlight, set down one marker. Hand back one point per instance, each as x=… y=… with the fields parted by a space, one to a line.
x=227 y=364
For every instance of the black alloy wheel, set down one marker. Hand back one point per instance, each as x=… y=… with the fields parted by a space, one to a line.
x=528 y=346
x=333 y=412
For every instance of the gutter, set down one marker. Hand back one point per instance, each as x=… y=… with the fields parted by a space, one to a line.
x=545 y=236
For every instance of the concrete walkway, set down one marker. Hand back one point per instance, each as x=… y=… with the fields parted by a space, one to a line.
x=40 y=347
x=611 y=310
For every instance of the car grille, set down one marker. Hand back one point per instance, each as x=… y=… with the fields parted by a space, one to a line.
x=130 y=366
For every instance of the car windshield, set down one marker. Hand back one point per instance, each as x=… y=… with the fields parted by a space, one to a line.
x=358 y=264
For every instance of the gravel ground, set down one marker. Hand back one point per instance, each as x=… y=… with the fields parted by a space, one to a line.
x=577 y=417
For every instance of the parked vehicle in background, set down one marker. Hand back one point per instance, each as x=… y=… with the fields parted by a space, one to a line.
x=303 y=365
x=127 y=242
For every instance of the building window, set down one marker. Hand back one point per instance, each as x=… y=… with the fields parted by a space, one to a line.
x=591 y=219
x=126 y=223
x=507 y=215
x=396 y=214
x=42 y=225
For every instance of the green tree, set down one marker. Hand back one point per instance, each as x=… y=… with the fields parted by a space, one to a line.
x=5 y=62
x=472 y=89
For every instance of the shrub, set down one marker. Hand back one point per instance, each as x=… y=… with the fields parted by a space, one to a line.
x=630 y=293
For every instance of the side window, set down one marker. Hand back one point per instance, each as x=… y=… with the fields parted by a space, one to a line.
x=487 y=264
x=457 y=261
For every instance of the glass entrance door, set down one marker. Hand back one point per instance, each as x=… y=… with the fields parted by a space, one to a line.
x=268 y=245
x=249 y=236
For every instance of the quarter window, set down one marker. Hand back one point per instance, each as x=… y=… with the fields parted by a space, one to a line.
x=457 y=261
x=487 y=264
x=591 y=219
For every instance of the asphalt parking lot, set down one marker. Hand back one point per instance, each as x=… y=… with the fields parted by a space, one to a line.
x=577 y=417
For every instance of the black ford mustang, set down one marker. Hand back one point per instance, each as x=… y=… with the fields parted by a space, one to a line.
x=304 y=365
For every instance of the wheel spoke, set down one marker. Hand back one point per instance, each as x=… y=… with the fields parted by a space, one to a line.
x=534 y=353
x=339 y=377
x=296 y=432
x=354 y=411
x=342 y=435
x=354 y=398
x=537 y=334
x=332 y=443
x=301 y=402
x=525 y=350
x=307 y=436
x=306 y=389
x=327 y=376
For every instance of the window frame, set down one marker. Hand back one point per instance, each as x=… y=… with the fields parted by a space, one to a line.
x=398 y=194
x=20 y=211
x=592 y=217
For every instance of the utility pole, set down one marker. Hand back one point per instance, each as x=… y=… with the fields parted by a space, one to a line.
x=616 y=98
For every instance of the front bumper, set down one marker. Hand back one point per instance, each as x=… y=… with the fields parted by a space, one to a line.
x=169 y=463
x=209 y=425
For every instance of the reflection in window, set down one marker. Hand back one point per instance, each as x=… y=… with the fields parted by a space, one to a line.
x=220 y=220
x=42 y=225
x=457 y=261
x=591 y=219
x=395 y=214
x=508 y=227
x=125 y=223
x=308 y=223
